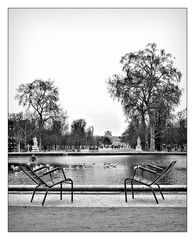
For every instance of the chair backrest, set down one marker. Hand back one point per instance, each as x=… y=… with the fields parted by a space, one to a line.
x=29 y=172
x=165 y=172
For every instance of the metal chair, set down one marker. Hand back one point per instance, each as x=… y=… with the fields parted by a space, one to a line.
x=138 y=176
x=47 y=179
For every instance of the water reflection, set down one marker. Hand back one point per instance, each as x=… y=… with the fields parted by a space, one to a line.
x=101 y=169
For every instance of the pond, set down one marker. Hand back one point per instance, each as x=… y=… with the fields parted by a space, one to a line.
x=101 y=170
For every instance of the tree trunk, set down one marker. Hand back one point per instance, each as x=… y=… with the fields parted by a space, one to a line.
x=40 y=133
x=40 y=138
x=19 y=147
x=144 y=130
x=40 y=143
x=25 y=138
x=146 y=141
x=152 y=138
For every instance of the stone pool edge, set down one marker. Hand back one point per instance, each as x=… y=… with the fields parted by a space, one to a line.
x=99 y=188
x=92 y=153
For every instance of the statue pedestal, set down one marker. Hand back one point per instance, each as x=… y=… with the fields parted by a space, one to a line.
x=138 y=148
x=35 y=149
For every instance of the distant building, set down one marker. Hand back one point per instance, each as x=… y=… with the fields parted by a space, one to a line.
x=114 y=139
x=108 y=134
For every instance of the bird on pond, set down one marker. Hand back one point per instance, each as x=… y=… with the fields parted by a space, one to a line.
x=14 y=168
x=83 y=165
x=33 y=158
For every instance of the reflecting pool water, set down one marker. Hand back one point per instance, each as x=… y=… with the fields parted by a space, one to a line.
x=100 y=170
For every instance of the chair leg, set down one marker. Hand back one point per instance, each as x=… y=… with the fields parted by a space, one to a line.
x=45 y=196
x=132 y=189
x=34 y=192
x=125 y=187
x=61 y=191
x=71 y=191
x=160 y=192
x=154 y=194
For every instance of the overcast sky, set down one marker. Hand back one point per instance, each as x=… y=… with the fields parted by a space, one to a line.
x=81 y=48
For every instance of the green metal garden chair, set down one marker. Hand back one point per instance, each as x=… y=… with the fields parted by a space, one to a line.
x=47 y=179
x=138 y=176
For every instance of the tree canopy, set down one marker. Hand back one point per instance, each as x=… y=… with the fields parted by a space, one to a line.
x=42 y=97
x=148 y=81
x=78 y=131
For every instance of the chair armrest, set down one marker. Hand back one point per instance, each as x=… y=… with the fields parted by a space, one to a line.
x=69 y=179
x=153 y=166
x=147 y=169
x=38 y=169
x=53 y=170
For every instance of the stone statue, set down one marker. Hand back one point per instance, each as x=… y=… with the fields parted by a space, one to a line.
x=35 y=147
x=138 y=147
x=35 y=142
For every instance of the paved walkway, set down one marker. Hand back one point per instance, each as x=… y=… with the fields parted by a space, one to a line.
x=97 y=212
x=98 y=200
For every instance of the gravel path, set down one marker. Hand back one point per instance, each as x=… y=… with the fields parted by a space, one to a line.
x=97 y=212
x=92 y=219
x=97 y=200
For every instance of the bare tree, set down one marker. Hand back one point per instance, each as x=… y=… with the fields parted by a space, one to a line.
x=148 y=79
x=42 y=97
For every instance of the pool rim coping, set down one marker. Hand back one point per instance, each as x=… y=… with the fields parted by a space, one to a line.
x=10 y=154
x=99 y=188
